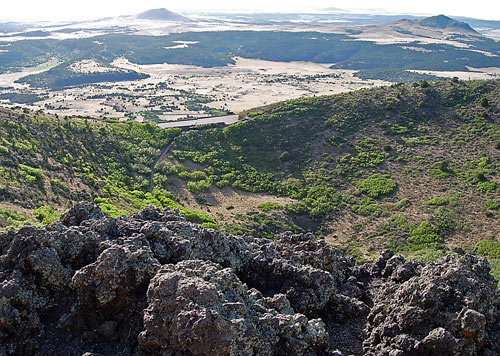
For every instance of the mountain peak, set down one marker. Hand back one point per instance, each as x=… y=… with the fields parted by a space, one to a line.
x=445 y=22
x=161 y=15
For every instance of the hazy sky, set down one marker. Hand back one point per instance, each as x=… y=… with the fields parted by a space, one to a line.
x=20 y=10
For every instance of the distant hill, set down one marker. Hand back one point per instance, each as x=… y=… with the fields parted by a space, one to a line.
x=63 y=76
x=445 y=22
x=162 y=15
x=12 y=26
x=335 y=9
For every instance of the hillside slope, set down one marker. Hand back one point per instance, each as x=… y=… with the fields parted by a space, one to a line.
x=445 y=22
x=48 y=162
x=410 y=167
x=407 y=166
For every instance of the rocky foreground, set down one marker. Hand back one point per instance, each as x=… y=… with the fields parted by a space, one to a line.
x=154 y=284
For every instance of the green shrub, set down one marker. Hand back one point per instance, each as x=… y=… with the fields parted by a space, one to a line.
x=377 y=185
x=184 y=175
x=31 y=175
x=399 y=130
x=109 y=208
x=11 y=219
x=369 y=207
x=269 y=206
x=424 y=234
x=368 y=159
x=3 y=150
x=424 y=84
x=222 y=183
x=437 y=201
x=489 y=249
x=285 y=156
x=198 y=187
x=446 y=220
x=193 y=176
x=477 y=175
x=487 y=187
x=322 y=200
x=54 y=183
x=198 y=175
x=163 y=199
x=196 y=216
x=495 y=270
x=401 y=205
x=384 y=124
x=209 y=225
x=428 y=254
x=442 y=170
x=394 y=229
x=444 y=166
x=492 y=204
x=298 y=208
x=46 y=215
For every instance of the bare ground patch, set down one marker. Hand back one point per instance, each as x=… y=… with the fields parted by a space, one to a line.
x=223 y=204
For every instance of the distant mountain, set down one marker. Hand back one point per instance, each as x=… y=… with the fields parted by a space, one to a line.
x=445 y=22
x=12 y=26
x=162 y=15
x=336 y=9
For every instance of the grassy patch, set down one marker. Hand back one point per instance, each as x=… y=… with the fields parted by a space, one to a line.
x=491 y=250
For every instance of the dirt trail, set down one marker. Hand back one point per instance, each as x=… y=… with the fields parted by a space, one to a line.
x=163 y=153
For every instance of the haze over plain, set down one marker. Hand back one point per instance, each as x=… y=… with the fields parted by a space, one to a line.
x=64 y=10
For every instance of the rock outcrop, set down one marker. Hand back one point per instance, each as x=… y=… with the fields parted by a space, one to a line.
x=154 y=284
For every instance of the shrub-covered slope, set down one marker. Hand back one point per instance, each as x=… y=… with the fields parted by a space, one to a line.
x=413 y=167
x=47 y=162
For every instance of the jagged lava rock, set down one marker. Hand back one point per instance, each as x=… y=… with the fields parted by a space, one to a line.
x=449 y=307
x=154 y=284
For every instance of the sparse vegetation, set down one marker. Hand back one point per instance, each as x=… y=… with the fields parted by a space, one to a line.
x=340 y=159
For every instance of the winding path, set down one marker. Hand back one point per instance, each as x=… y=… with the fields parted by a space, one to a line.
x=227 y=120
x=163 y=153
